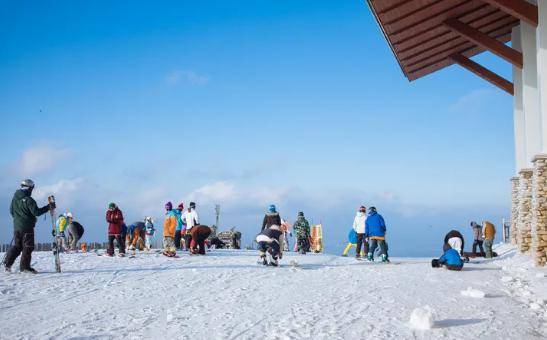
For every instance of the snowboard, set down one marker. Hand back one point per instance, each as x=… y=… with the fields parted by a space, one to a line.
x=472 y=255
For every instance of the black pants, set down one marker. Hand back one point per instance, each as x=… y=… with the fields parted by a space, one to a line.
x=23 y=244
x=177 y=238
x=119 y=240
x=361 y=240
x=303 y=245
x=477 y=243
x=271 y=247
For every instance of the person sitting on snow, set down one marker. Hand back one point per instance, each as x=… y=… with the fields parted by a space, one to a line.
x=451 y=260
x=271 y=218
x=169 y=226
x=352 y=242
x=375 y=231
x=269 y=242
x=302 y=230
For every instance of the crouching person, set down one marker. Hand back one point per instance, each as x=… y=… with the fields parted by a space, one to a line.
x=75 y=233
x=268 y=242
x=451 y=260
x=199 y=233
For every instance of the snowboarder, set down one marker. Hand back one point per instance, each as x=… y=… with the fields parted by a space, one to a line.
x=271 y=218
x=352 y=242
x=60 y=225
x=75 y=233
x=114 y=217
x=477 y=238
x=375 y=230
x=268 y=242
x=190 y=218
x=169 y=226
x=178 y=230
x=359 y=227
x=302 y=231
x=150 y=231
x=489 y=235
x=24 y=211
x=454 y=240
x=451 y=260
x=199 y=234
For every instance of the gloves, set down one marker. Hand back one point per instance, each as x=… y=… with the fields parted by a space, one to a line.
x=53 y=232
x=52 y=206
x=62 y=234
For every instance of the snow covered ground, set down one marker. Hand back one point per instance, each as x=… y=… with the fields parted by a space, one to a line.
x=226 y=295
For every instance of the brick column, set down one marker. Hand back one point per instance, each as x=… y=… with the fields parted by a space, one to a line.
x=539 y=210
x=513 y=231
x=524 y=224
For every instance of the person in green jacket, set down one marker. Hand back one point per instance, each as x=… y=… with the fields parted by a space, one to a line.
x=24 y=211
x=302 y=230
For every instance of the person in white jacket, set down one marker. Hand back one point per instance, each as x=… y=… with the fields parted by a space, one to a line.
x=359 y=227
x=190 y=218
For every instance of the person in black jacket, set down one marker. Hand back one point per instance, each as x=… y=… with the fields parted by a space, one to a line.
x=24 y=211
x=271 y=218
x=268 y=242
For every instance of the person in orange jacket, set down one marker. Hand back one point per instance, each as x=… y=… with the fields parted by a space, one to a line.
x=489 y=235
x=169 y=227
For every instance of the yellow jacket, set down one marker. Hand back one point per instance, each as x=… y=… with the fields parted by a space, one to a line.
x=489 y=231
x=169 y=224
x=61 y=223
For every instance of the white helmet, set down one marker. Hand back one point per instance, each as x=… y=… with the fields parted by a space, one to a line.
x=68 y=214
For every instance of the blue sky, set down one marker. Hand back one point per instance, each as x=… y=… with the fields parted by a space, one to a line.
x=244 y=103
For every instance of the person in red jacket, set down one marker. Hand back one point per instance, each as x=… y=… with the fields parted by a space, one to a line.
x=114 y=217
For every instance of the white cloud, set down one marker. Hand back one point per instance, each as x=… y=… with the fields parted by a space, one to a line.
x=177 y=76
x=476 y=101
x=65 y=188
x=39 y=159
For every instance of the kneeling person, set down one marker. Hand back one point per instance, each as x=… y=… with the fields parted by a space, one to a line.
x=450 y=259
x=268 y=242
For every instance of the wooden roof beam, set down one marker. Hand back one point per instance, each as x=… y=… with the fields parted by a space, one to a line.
x=520 y=9
x=485 y=41
x=484 y=73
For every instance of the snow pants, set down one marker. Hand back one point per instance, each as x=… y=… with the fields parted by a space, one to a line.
x=148 y=241
x=374 y=243
x=199 y=235
x=361 y=240
x=488 y=248
x=303 y=245
x=169 y=244
x=178 y=236
x=477 y=243
x=271 y=247
x=347 y=249
x=23 y=244
x=119 y=241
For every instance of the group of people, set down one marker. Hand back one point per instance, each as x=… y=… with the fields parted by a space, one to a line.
x=368 y=233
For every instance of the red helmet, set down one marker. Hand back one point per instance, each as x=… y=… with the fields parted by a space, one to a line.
x=181 y=206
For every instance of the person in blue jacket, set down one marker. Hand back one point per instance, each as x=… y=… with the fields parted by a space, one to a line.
x=352 y=242
x=178 y=230
x=375 y=231
x=451 y=260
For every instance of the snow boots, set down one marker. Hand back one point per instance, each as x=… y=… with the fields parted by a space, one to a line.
x=384 y=258
x=369 y=257
x=263 y=260
x=29 y=270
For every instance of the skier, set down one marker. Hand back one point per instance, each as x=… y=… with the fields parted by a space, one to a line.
x=24 y=211
x=169 y=226
x=302 y=230
x=489 y=235
x=150 y=231
x=477 y=238
x=199 y=235
x=60 y=225
x=114 y=217
x=268 y=242
x=190 y=218
x=271 y=218
x=454 y=240
x=75 y=233
x=178 y=230
x=451 y=260
x=359 y=227
x=352 y=242
x=375 y=230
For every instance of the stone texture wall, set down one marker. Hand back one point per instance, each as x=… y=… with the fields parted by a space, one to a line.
x=513 y=231
x=524 y=224
x=539 y=210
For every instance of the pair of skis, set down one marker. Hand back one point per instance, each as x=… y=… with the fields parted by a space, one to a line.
x=56 y=239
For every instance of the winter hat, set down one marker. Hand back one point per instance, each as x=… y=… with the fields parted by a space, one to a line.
x=68 y=214
x=473 y=224
x=300 y=214
x=271 y=208
x=111 y=205
x=363 y=209
x=168 y=206
x=372 y=210
x=181 y=206
x=192 y=205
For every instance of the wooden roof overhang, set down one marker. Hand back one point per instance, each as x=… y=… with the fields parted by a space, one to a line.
x=428 y=35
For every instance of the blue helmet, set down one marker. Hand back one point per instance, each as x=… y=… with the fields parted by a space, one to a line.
x=271 y=208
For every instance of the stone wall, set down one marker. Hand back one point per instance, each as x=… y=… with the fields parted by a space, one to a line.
x=539 y=210
x=524 y=222
x=513 y=231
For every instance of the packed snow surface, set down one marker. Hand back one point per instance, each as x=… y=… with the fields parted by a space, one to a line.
x=474 y=293
x=227 y=295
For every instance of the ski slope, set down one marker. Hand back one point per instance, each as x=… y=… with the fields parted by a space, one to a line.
x=226 y=295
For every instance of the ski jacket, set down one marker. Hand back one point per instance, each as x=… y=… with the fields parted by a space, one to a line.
x=24 y=211
x=76 y=229
x=301 y=228
x=178 y=214
x=170 y=224
x=489 y=231
x=271 y=219
x=352 y=236
x=477 y=232
x=150 y=230
x=190 y=218
x=115 y=221
x=269 y=235
x=61 y=224
x=451 y=258
x=359 y=222
x=375 y=226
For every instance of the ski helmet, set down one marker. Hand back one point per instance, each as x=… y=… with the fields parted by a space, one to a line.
x=111 y=205
x=168 y=206
x=372 y=210
x=180 y=207
x=192 y=205
x=27 y=184
x=271 y=208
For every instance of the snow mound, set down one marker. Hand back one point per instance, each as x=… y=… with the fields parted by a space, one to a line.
x=473 y=293
x=421 y=318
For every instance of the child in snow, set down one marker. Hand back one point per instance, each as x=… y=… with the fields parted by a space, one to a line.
x=199 y=235
x=178 y=231
x=352 y=242
x=375 y=230
x=169 y=226
x=477 y=238
x=451 y=260
x=302 y=230
x=489 y=235
x=271 y=218
x=359 y=227
x=150 y=231
x=114 y=217
x=268 y=242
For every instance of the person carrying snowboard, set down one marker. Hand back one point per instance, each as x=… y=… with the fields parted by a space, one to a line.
x=169 y=227
x=359 y=228
x=199 y=234
x=268 y=243
x=24 y=211
x=302 y=231
x=114 y=217
x=352 y=242
x=451 y=260
x=150 y=231
x=477 y=238
x=75 y=233
x=375 y=230
x=271 y=218
x=178 y=230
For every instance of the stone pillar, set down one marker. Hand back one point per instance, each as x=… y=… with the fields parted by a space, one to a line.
x=539 y=210
x=524 y=224
x=513 y=230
